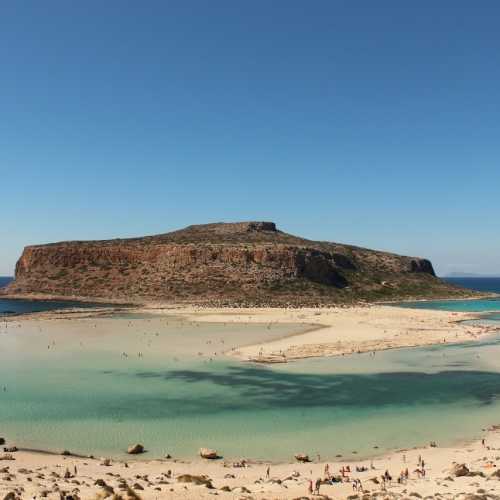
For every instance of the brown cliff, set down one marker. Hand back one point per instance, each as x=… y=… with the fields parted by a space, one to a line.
x=250 y=262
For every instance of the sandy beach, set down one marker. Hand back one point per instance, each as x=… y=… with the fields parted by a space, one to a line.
x=27 y=474
x=340 y=331
x=329 y=331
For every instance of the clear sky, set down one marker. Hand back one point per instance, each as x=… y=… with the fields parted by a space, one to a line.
x=373 y=123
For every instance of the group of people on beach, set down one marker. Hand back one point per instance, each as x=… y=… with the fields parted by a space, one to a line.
x=329 y=478
x=420 y=470
x=357 y=486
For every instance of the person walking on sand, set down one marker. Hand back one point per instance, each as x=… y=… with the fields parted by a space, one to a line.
x=268 y=472
x=310 y=487
x=317 y=486
x=327 y=471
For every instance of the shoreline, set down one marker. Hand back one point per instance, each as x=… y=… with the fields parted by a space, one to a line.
x=480 y=296
x=37 y=472
x=148 y=302
x=194 y=459
x=40 y=297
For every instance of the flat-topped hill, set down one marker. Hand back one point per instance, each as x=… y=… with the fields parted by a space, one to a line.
x=231 y=263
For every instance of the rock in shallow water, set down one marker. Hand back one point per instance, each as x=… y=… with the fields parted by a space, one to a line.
x=208 y=453
x=135 y=449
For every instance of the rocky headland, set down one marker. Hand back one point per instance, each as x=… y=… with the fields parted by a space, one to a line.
x=244 y=263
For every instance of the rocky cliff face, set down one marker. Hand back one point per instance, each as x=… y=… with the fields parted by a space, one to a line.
x=250 y=261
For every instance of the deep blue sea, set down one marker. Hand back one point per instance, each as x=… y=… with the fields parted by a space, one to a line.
x=481 y=284
x=16 y=306
x=4 y=280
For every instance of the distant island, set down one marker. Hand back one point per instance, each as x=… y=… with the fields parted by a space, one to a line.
x=241 y=263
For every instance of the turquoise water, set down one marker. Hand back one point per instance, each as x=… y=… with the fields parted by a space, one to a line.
x=71 y=386
x=478 y=284
x=457 y=305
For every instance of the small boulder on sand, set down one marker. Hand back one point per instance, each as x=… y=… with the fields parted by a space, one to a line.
x=460 y=470
x=302 y=457
x=198 y=480
x=135 y=449
x=208 y=453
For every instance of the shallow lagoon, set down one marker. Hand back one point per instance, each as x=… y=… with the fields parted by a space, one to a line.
x=70 y=386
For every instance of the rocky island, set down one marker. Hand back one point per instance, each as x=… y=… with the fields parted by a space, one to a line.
x=242 y=263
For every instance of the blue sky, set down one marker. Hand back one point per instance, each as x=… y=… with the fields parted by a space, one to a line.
x=372 y=123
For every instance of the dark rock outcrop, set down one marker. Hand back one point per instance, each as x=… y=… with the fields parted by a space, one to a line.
x=421 y=266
